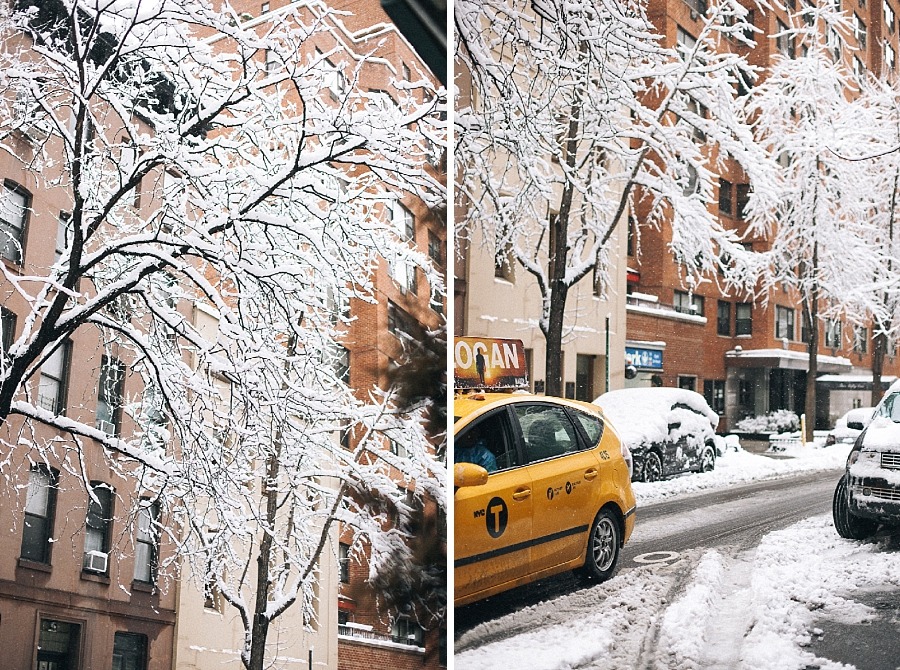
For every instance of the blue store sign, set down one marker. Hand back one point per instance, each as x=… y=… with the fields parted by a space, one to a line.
x=648 y=359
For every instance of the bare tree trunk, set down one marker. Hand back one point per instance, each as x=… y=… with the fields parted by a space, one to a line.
x=811 y=306
x=879 y=347
x=879 y=341
x=558 y=261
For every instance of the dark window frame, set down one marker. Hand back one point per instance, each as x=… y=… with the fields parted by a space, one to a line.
x=62 y=382
x=21 y=233
x=99 y=520
x=743 y=325
x=723 y=318
x=41 y=548
x=150 y=540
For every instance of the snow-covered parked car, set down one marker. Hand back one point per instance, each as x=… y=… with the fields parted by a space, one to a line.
x=668 y=430
x=848 y=427
x=869 y=492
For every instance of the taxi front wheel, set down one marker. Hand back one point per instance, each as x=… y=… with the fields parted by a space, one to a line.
x=603 y=548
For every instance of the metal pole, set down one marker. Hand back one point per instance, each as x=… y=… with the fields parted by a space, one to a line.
x=606 y=387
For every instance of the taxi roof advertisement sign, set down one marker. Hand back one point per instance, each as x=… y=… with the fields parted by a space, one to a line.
x=489 y=363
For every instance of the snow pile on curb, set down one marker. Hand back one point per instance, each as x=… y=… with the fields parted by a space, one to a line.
x=685 y=624
x=803 y=573
x=604 y=623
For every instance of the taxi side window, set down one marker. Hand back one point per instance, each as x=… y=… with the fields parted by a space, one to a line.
x=593 y=427
x=487 y=443
x=547 y=432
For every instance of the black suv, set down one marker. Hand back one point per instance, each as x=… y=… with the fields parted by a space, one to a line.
x=869 y=492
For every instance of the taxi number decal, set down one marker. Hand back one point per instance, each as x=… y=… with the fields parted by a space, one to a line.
x=604 y=455
x=497 y=517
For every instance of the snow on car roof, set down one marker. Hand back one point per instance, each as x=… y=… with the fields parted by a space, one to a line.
x=642 y=415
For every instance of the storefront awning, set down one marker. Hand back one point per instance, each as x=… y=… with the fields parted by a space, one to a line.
x=784 y=359
x=861 y=382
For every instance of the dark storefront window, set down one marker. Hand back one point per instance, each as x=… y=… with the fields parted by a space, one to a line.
x=714 y=392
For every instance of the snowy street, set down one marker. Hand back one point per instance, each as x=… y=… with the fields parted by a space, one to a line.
x=737 y=568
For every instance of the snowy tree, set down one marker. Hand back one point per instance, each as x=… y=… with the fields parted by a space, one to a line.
x=820 y=233
x=580 y=115
x=878 y=110
x=226 y=184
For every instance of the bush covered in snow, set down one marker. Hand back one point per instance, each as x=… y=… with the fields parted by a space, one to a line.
x=779 y=421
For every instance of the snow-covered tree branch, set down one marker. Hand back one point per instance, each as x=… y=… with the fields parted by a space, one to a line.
x=223 y=192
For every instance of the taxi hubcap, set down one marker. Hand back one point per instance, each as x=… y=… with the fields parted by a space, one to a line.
x=603 y=547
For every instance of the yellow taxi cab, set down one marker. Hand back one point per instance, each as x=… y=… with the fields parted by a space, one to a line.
x=542 y=486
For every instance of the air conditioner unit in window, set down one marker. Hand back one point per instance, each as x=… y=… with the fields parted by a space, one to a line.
x=107 y=427
x=95 y=561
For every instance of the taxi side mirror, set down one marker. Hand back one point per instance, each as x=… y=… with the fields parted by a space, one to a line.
x=469 y=474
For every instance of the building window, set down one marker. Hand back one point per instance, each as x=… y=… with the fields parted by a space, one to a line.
x=63 y=233
x=344 y=562
x=697 y=6
x=784 y=323
x=406 y=631
x=98 y=526
x=110 y=395
x=7 y=330
x=584 y=377
x=146 y=547
x=723 y=318
x=859 y=28
x=632 y=232
x=13 y=208
x=54 y=379
x=784 y=42
x=504 y=263
x=404 y=221
x=334 y=80
x=743 y=318
x=805 y=330
x=860 y=339
x=688 y=303
x=714 y=392
x=687 y=382
x=685 y=41
x=400 y=323
x=889 y=18
x=342 y=364
x=129 y=652
x=40 y=508
x=404 y=225
x=435 y=249
x=725 y=197
x=398 y=449
x=58 y=645
x=743 y=197
x=833 y=333
x=889 y=55
x=701 y=112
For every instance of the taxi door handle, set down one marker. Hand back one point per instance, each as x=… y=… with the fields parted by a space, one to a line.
x=591 y=473
x=521 y=494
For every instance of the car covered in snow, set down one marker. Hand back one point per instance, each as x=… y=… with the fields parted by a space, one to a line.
x=667 y=430
x=849 y=426
x=541 y=486
x=868 y=494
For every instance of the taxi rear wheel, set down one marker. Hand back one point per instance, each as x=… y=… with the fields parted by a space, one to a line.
x=603 y=547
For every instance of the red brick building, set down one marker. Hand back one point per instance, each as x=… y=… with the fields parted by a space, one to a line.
x=744 y=358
